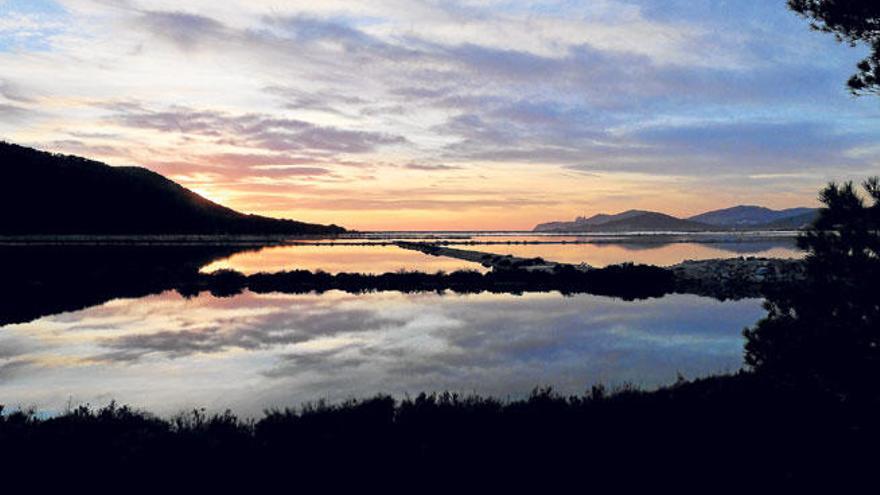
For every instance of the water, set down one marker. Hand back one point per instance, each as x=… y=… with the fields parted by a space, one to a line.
x=166 y=353
x=90 y=324
x=600 y=255
x=377 y=256
x=338 y=258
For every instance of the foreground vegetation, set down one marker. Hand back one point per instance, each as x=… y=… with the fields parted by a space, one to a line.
x=725 y=432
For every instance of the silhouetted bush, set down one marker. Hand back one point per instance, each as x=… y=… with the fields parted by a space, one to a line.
x=825 y=332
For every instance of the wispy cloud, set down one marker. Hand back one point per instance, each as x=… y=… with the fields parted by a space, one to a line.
x=434 y=96
x=258 y=131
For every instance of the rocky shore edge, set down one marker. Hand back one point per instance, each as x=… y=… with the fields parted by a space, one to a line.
x=724 y=278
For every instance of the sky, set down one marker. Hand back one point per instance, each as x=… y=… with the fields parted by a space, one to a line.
x=421 y=115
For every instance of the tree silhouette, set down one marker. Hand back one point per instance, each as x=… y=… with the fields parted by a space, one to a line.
x=853 y=22
x=825 y=334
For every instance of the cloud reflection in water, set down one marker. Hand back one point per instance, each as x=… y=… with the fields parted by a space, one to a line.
x=166 y=353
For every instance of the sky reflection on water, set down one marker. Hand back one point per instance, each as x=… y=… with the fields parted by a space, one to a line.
x=166 y=353
x=600 y=255
x=339 y=258
x=390 y=258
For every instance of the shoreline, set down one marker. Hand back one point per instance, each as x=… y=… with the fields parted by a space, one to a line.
x=384 y=239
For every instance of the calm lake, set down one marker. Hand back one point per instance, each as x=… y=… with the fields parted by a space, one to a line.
x=380 y=257
x=88 y=330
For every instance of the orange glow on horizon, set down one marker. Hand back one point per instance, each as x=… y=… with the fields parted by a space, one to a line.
x=468 y=196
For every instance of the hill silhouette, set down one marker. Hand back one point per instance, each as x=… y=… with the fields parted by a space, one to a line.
x=743 y=217
x=795 y=222
x=47 y=193
x=630 y=220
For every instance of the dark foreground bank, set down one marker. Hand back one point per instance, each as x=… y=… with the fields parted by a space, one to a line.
x=714 y=434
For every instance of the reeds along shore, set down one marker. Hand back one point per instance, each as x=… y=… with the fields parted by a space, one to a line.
x=702 y=434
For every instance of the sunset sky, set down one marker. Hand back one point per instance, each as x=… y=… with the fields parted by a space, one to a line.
x=392 y=114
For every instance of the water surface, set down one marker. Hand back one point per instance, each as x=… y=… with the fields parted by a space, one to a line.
x=600 y=255
x=378 y=256
x=166 y=353
x=338 y=258
x=89 y=324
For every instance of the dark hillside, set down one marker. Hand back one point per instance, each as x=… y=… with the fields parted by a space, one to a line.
x=46 y=193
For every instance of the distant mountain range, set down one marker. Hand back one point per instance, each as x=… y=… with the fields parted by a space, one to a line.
x=46 y=193
x=735 y=218
x=749 y=216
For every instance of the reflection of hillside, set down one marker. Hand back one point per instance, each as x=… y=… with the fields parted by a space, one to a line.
x=44 y=280
x=756 y=247
x=750 y=247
